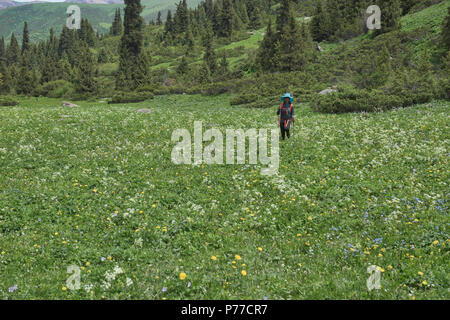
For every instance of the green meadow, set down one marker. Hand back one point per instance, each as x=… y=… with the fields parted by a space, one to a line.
x=95 y=187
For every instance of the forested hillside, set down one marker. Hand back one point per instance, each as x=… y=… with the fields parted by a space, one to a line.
x=255 y=48
x=41 y=17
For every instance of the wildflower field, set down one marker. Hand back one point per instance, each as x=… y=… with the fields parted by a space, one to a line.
x=95 y=187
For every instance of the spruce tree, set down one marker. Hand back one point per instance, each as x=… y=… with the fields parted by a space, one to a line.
x=169 y=25
x=25 y=38
x=183 y=67
x=391 y=12
x=119 y=24
x=294 y=47
x=116 y=27
x=64 y=71
x=133 y=63
x=2 y=51
x=254 y=15
x=181 y=19
x=159 y=19
x=268 y=51
x=318 y=25
x=226 y=19
x=6 y=85
x=85 y=82
x=210 y=58
x=13 y=51
x=25 y=82
x=446 y=31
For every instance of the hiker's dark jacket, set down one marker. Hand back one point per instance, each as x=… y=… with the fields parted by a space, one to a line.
x=286 y=113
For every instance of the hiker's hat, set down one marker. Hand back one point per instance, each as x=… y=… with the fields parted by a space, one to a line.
x=287 y=95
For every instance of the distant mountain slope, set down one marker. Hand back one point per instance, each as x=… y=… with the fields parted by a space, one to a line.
x=43 y=16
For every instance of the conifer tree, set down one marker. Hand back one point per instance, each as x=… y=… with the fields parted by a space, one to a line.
x=169 y=25
x=183 y=67
x=85 y=82
x=116 y=27
x=159 y=19
x=254 y=14
x=210 y=56
x=13 y=51
x=268 y=51
x=133 y=63
x=181 y=19
x=391 y=12
x=446 y=31
x=25 y=38
x=25 y=82
x=293 y=54
x=226 y=19
x=48 y=69
x=319 y=30
x=2 y=51
x=64 y=71
x=5 y=86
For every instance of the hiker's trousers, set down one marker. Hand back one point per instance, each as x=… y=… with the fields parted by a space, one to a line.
x=284 y=133
x=285 y=125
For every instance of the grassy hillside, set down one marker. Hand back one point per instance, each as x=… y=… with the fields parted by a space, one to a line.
x=95 y=187
x=42 y=16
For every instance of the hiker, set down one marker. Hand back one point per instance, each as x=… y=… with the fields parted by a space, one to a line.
x=286 y=115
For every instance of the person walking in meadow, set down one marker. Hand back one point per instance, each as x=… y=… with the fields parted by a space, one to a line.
x=286 y=115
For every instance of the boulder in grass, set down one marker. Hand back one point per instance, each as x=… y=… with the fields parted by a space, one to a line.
x=328 y=90
x=69 y=104
x=145 y=110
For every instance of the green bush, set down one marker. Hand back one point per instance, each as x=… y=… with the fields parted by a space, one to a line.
x=7 y=101
x=130 y=97
x=348 y=99
x=244 y=98
x=55 y=89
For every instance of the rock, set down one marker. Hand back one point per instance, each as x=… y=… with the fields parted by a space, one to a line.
x=69 y=105
x=327 y=91
x=145 y=110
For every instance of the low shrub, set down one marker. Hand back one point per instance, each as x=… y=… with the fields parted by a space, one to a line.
x=55 y=89
x=7 y=101
x=130 y=97
x=348 y=99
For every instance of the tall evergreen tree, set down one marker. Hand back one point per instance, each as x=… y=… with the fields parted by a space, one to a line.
x=391 y=12
x=133 y=64
x=181 y=19
x=210 y=58
x=117 y=26
x=85 y=82
x=25 y=82
x=159 y=19
x=169 y=25
x=268 y=51
x=25 y=38
x=2 y=51
x=446 y=31
x=294 y=47
x=183 y=67
x=13 y=51
x=254 y=14
x=226 y=19
x=318 y=24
